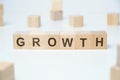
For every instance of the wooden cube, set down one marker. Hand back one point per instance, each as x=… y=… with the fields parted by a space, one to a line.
x=118 y=56
x=84 y=40
x=34 y=21
x=67 y=40
x=76 y=21
x=56 y=5
x=6 y=71
x=99 y=40
x=1 y=21
x=53 y=40
x=113 y=19
x=115 y=73
x=1 y=9
x=56 y=15
x=37 y=40
x=20 y=40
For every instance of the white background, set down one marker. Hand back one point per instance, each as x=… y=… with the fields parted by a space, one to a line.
x=59 y=64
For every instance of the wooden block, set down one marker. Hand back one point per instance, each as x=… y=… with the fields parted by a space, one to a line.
x=53 y=40
x=56 y=15
x=20 y=40
x=37 y=40
x=1 y=9
x=57 y=5
x=1 y=21
x=113 y=19
x=6 y=71
x=76 y=21
x=67 y=40
x=99 y=40
x=83 y=40
x=118 y=56
x=115 y=73
x=34 y=21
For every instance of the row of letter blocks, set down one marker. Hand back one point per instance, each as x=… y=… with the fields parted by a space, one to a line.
x=1 y=15
x=6 y=71
x=62 y=40
x=115 y=71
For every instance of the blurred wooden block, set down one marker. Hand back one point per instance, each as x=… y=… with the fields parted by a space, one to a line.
x=34 y=21
x=83 y=40
x=113 y=19
x=115 y=73
x=76 y=21
x=56 y=15
x=99 y=40
x=20 y=41
x=1 y=9
x=37 y=40
x=1 y=21
x=53 y=40
x=118 y=56
x=57 y=5
x=67 y=40
x=6 y=71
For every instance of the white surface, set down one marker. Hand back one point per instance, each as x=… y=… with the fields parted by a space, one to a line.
x=57 y=64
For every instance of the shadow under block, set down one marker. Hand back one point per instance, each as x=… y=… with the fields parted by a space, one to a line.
x=34 y=21
x=6 y=71
x=76 y=21
x=20 y=41
x=118 y=56
x=56 y=15
x=115 y=73
x=99 y=40
x=67 y=40
x=113 y=19
x=1 y=21
x=1 y=9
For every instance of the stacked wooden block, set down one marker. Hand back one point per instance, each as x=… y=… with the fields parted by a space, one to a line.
x=6 y=71
x=62 y=40
x=56 y=12
x=113 y=19
x=1 y=15
x=115 y=71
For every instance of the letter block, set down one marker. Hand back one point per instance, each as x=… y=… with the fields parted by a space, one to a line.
x=20 y=40
x=34 y=21
x=113 y=19
x=1 y=9
x=37 y=40
x=83 y=40
x=56 y=15
x=67 y=40
x=115 y=73
x=6 y=71
x=1 y=21
x=53 y=40
x=118 y=52
x=76 y=21
x=99 y=40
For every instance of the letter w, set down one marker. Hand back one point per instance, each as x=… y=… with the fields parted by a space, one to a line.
x=67 y=41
